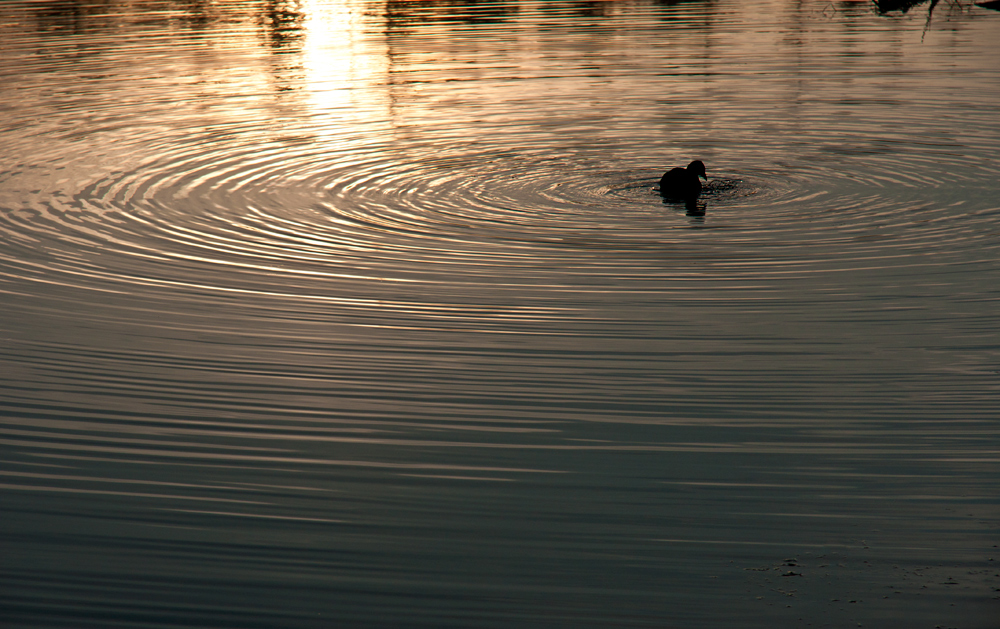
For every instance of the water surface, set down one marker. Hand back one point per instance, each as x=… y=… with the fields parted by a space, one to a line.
x=323 y=314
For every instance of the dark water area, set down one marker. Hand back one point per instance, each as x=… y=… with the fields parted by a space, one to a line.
x=370 y=314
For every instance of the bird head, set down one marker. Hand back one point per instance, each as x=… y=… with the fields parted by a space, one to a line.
x=698 y=168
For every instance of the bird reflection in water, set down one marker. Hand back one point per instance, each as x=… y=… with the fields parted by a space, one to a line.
x=695 y=209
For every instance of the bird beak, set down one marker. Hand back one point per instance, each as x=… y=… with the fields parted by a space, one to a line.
x=705 y=177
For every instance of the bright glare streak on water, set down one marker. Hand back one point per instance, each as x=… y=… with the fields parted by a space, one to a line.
x=369 y=314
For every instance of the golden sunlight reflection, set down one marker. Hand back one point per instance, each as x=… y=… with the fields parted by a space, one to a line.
x=342 y=62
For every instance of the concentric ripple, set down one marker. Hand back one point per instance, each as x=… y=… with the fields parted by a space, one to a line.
x=227 y=210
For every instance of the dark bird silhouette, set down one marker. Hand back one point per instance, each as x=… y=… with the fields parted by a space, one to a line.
x=683 y=183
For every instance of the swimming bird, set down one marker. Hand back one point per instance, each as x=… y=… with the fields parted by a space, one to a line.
x=682 y=183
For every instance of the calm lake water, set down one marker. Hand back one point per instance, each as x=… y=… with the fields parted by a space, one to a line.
x=369 y=314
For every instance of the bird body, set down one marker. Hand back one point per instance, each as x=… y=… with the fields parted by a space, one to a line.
x=683 y=183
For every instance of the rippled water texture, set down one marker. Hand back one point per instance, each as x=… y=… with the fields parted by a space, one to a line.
x=369 y=314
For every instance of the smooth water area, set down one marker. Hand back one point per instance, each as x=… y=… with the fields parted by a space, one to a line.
x=369 y=314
